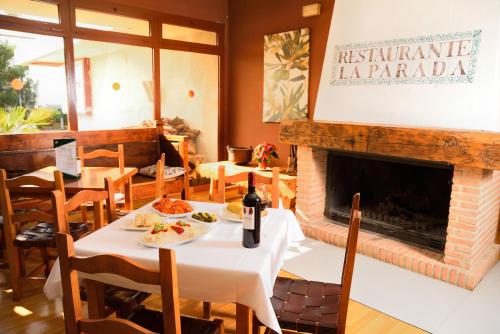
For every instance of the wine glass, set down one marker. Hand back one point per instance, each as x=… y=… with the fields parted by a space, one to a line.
x=261 y=190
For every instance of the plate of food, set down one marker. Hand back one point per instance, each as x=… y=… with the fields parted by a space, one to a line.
x=233 y=212
x=172 y=208
x=204 y=217
x=141 y=222
x=172 y=234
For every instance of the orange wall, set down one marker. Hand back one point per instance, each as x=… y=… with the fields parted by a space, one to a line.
x=210 y=10
x=249 y=21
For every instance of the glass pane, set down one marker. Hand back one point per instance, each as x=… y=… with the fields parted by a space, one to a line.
x=29 y=9
x=113 y=85
x=110 y=22
x=33 y=83
x=190 y=99
x=185 y=34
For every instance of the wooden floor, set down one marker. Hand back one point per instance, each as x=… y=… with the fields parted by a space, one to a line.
x=34 y=314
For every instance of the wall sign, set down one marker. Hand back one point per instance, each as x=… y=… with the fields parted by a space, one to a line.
x=426 y=63
x=442 y=59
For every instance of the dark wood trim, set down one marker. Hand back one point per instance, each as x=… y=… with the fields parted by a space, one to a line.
x=39 y=141
x=69 y=63
x=112 y=37
x=190 y=47
x=156 y=33
x=31 y=26
x=222 y=116
x=479 y=149
x=68 y=30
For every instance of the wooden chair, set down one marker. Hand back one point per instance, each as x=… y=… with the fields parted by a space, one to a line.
x=160 y=189
x=28 y=223
x=63 y=208
x=142 y=321
x=316 y=307
x=181 y=145
x=273 y=181
x=101 y=153
x=116 y=299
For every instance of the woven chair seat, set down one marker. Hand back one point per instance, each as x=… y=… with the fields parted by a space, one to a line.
x=43 y=235
x=153 y=321
x=306 y=306
x=124 y=301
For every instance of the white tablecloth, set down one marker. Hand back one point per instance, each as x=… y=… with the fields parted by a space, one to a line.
x=214 y=268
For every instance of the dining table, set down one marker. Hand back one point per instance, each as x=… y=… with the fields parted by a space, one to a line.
x=92 y=178
x=214 y=267
x=287 y=183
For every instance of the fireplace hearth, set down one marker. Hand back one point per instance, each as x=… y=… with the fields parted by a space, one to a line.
x=417 y=165
x=402 y=199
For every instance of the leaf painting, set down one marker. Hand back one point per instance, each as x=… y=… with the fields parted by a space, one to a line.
x=286 y=75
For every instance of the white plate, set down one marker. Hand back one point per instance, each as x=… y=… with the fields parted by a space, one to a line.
x=202 y=222
x=172 y=215
x=231 y=216
x=175 y=239
x=129 y=225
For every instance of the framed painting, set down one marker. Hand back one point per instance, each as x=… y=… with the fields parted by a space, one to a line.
x=286 y=75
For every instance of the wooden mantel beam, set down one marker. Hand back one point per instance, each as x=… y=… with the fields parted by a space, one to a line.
x=466 y=148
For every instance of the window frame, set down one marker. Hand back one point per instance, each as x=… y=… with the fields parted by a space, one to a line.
x=67 y=29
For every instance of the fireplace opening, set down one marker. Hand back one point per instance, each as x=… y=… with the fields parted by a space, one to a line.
x=402 y=199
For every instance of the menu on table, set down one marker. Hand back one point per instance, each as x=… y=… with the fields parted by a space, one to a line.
x=66 y=157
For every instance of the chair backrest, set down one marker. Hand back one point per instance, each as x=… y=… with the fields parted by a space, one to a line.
x=349 y=259
x=176 y=149
x=273 y=181
x=63 y=208
x=35 y=192
x=117 y=265
x=103 y=154
x=160 y=177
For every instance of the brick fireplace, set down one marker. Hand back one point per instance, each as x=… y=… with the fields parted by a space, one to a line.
x=470 y=248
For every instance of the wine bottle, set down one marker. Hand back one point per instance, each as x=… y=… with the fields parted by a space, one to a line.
x=251 y=215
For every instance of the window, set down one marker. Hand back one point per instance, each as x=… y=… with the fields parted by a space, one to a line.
x=110 y=22
x=113 y=85
x=190 y=91
x=32 y=83
x=185 y=34
x=29 y=9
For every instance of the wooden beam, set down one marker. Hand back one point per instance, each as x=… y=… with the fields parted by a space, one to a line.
x=479 y=149
x=43 y=140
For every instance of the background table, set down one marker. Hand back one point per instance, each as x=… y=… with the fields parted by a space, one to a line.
x=214 y=268
x=287 y=184
x=92 y=178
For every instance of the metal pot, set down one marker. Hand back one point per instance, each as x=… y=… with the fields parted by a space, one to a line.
x=239 y=155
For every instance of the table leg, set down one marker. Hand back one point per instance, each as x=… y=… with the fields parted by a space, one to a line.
x=129 y=205
x=244 y=319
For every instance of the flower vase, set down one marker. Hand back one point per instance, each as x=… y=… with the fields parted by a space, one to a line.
x=263 y=165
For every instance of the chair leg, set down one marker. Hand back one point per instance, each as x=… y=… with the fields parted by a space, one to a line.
x=2 y=242
x=45 y=257
x=207 y=310
x=15 y=273
x=83 y=211
x=22 y=261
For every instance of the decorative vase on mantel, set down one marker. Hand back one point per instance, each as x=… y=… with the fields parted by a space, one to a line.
x=263 y=154
x=262 y=165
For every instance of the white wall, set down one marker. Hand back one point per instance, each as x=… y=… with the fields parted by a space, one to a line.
x=128 y=106
x=474 y=106
x=182 y=72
